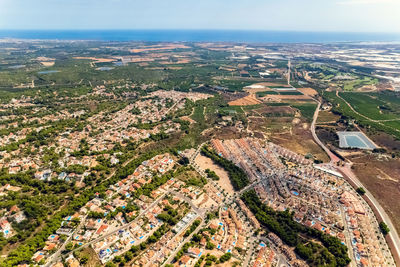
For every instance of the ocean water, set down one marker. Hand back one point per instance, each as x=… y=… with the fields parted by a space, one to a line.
x=201 y=36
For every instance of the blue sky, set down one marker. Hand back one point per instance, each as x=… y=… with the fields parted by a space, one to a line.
x=292 y=15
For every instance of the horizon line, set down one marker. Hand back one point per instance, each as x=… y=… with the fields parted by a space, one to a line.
x=200 y=29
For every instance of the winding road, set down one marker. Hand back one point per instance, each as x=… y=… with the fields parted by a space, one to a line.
x=393 y=237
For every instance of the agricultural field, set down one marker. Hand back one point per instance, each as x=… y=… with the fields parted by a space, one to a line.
x=365 y=107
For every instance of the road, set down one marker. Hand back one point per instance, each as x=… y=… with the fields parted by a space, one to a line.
x=157 y=255
x=376 y=207
x=171 y=257
x=332 y=156
x=123 y=226
x=55 y=257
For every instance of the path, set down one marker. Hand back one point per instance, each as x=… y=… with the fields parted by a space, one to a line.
x=380 y=122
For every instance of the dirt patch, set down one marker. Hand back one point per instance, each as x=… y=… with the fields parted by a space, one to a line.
x=97 y=60
x=271 y=124
x=381 y=176
x=387 y=141
x=224 y=182
x=47 y=63
x=299 y=140
x=283 y=98
x=232 y=96
x=308 y=91
x=229 y=132
x=327 y=117
x=245 y=101
x=275 y=111
x=93 y=259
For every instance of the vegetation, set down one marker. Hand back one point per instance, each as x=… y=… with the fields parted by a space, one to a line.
x=331 y=253
x=236 y=175
x=384 y=228
x=367 y=107
x=212 y=175
x=361 y=191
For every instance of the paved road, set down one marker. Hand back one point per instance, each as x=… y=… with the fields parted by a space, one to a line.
x=55 y=257
x=155 y=257
x=171 y=257
x=332 y=156
x=346 y=170
x=393 y=235
x=123 y=226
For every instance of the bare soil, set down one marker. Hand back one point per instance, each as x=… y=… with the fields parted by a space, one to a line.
x=245 y=101
x=300 y=140
x=223 y=182
x=382 y=178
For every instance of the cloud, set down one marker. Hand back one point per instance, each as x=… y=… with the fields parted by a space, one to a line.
x=365 y=2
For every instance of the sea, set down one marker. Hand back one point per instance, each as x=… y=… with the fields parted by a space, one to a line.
x=246 y=36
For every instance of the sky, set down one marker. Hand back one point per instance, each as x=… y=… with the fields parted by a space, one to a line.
x=286 y=15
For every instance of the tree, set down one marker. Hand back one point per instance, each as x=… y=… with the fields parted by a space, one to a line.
x=210 y=246
x=384 y=228
x=69 y=246
x=361 y=191
x=84 y=259
x=225 y=257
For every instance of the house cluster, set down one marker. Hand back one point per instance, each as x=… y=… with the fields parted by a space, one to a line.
x=13 y=137
x=15 y=163
x=7 y=187
x=234 y=229
x=266 y=257
x=319 y=199
x=13 y=214
x=159 y=252
x=287 y=251
x=112 y=215
x=51 y=244
x=178 y=96
x=366 y=244
x=253 y=220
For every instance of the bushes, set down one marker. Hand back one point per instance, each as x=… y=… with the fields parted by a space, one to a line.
x=236 y=175
x=225 y=257
x=384 y=228
x=212 y=175
x=193 y=227
x=361 y=191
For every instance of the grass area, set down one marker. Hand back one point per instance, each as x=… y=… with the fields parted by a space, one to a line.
x=290 y=93
x=233 y=85
x=264 y=93
x=341 y=107
x=372 y=106
x=354 y=84
x=327 y=116
x=307 y=110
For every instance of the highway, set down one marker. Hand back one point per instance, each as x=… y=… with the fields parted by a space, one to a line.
x=376 y=207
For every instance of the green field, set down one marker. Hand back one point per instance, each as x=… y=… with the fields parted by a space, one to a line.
x=307 y=110
x=372 y=106
x=366 y=105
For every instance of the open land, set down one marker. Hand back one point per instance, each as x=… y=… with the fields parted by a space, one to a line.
x=191 y=154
